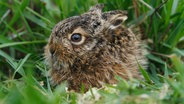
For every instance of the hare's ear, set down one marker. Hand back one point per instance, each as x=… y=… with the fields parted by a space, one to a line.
x=97 y=9
x=116 y=17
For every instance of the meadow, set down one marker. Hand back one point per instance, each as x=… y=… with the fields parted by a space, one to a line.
x=25 y=26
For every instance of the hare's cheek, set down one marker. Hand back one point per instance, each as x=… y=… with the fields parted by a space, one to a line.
x=85 y=48
x=78 y=49
x=90 y=45
x=66 y=46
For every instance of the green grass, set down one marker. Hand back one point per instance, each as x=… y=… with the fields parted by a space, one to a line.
x=25 y=26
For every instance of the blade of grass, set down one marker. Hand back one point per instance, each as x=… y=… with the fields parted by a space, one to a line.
x=156 y=59
x=26 y=23
x=20 y=65
x=12 y=62
x=47 y=80
x=16 y=13
x=166 y=73
x=21 y=43
x=36 y=20
x=145 y=74
x=6 y=40
x=179 y=51
x=174 y=6
x=4 y=16
x=179 y=30
x=179 y=66
x=8 y=58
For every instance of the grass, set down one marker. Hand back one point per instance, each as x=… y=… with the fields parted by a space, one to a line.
x=25 y=26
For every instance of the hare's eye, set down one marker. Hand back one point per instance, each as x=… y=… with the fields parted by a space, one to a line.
x=77 y=38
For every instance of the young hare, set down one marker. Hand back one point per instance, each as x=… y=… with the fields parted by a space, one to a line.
x=91 y=49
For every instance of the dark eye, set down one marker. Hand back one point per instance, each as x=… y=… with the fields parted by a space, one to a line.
x=76 y=37
x=117 y=22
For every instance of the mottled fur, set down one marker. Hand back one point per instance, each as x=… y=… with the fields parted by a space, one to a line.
x=109 y=49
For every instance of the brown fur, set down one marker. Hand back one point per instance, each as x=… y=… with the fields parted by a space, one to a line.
x=109 y=49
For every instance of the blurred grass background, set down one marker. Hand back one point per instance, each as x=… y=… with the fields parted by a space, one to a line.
x=25 y=26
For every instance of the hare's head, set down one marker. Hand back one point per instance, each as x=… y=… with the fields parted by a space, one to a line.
x=84 y=35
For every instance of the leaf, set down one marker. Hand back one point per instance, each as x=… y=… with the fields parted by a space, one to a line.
x=179 y=51
x=20 y=43
x=156 y=59
x=178 y=64
x=36 y=20
x=145 y=74
x=11 y=61
x=20 y=65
